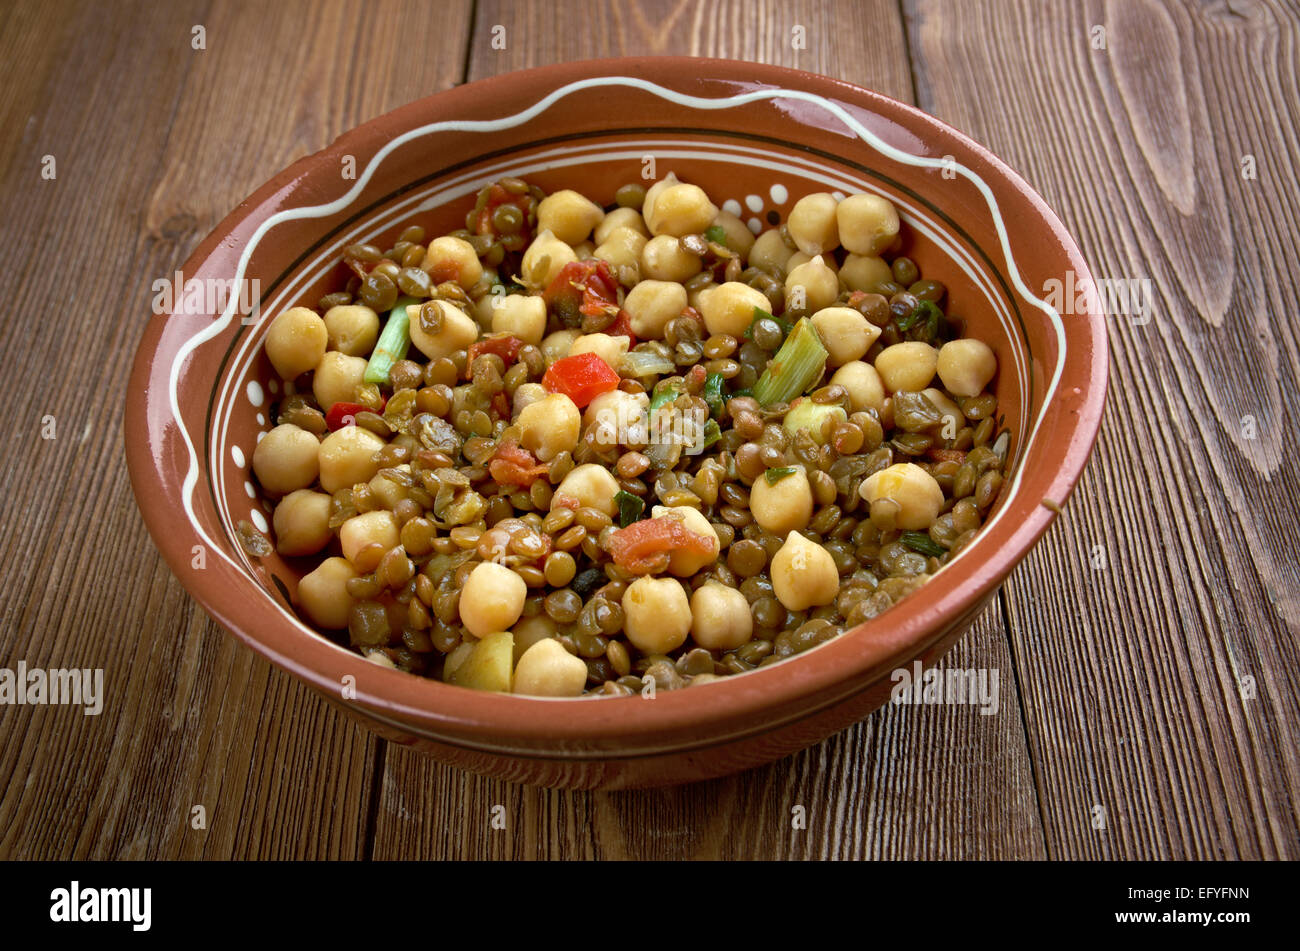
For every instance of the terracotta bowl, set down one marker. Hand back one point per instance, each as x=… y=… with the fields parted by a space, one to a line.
x=757 y=137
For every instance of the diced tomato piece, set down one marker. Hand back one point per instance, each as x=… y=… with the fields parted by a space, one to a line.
x=581 y=377
x=344 y=414
x=622 y=327
x=505 y=346
x=498 y=196
x=501 y=403
x=511 y=464
x=637 y=547
x=582 y=289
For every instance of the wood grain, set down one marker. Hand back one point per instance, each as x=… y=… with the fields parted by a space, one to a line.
x=1134 y=669
x=1122 y=685
x=147 y=162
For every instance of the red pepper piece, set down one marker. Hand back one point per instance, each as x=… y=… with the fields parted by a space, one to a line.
x=581 y=378
x=344 y=414
x=637 y=548
x=505 y=346
x=511 y=464
x=622 y=327
x=582 y=289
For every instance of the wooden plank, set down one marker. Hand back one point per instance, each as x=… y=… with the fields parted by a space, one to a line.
x=1137 y=675
x=908 y=782
x=148 y=131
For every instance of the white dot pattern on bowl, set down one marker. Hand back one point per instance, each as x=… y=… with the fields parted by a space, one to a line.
x=273 y=386
x=255 y=394
x=238 y=455
x=754 y=202
x=754 y=225
x=732 y=207
x=248 y=487
x=838 y=195
x=261 y=420
x=258 y=519
x=779 y=194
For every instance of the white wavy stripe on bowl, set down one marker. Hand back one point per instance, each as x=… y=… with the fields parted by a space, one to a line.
x=494 y=125
x=435 y=195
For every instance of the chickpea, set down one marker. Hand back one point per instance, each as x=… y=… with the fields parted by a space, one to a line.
x=492 y=599
x=568 y=215
x=656 y=614
x=868 y=224
x=556 y=346
x=966 y=366
x=907 y=366
x=584 y=250
x=617 y=411
x=622 y=248
x=804 y=574
x=686 y=563
x=295 y=342
x=286 y=459
x=610 y=349
x=664 y=259
x=380 y=659
x=653 y=192
x=720 y=617
x=546 y=669
x=954 y=419
x=912 y=497
x=352 y=329
x=544 y=259
x=525 y=396
x=522 y=315
x=805 y=414
x=738 y=236
x=812 y=224
x=346 y=458
x=651 y=304
x=529 y=630
x=336 y=378
x=591 y=485
x=729 y=308
x=865 y=272
x=680 y=210
x=456 y=659
x=863 y=384
x=323 y=594
x=845 y=332
x=458 y=331
x=799 y=258
x=452 y=259
x=550 y=426
x=301 y=523
x=784 y=507
x=770 y=251
x=388 y=492
x=369 y=528
x=811 y=286
x=628 y=218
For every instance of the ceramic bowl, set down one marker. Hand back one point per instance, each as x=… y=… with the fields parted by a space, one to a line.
x=755 y=137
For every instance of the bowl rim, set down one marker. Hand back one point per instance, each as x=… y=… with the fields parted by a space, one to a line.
x=726 y=709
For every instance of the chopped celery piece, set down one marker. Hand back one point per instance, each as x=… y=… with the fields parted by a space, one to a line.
x=795 y=368
x=393 y=343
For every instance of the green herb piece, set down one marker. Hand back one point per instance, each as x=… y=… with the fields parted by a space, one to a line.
x=924 y=310
x=774 y=476
x=797 y=366
x=922 y=543
x=664 y=395
x=713 y=384
x=393 y=343
x=629 y=508
x=717 y=234
x=712 y=433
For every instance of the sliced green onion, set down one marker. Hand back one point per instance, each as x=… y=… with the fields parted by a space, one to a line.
x=712 y=433
x=664 y=395
x=744 y=392
x=639 y=363
x=393 y=343
x=713 y=394
x=797 y=366
x=717 y=234
x=761 y=314
x=629 y=508
x=922 y=543
x=774 y=476
x=924 y=310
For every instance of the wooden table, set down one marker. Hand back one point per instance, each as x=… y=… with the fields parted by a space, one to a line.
x=1147 y=647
